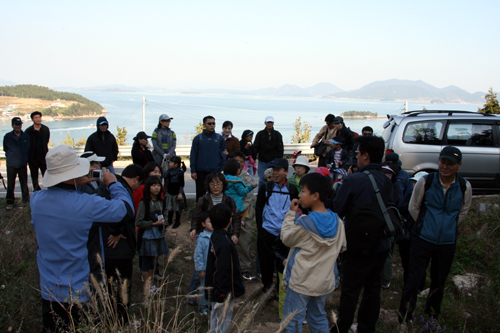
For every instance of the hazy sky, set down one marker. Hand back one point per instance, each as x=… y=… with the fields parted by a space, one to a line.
x=250 y=44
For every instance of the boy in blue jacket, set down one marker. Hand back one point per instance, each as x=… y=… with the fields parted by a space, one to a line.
x=200 y=256
x=315 y=241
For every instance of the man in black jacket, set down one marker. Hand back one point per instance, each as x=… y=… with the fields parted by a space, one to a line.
x=367 y=246
x=103 y=143
x=269 y=146
x=39 y=146
x=119 y=241
x=344 y=135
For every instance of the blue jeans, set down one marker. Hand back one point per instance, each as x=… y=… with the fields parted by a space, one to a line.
x=202 y=301
x=316 y=315
x=219 y=324
x=261 y=168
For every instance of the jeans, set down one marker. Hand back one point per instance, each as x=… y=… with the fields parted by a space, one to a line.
x=316 y=315
x=202 y=301
x=261 y=168
x=12 y=172
x=219 y=324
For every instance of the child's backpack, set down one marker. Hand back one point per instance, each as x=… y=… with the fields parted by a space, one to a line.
x=292 y=190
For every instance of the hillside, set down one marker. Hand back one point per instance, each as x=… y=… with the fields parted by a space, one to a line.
x=27 y=98
x=412 y=91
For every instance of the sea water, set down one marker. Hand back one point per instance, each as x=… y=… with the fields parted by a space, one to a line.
x=245 y=112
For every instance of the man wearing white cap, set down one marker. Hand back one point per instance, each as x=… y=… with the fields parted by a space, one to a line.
x=62 y=217
x=269 y=146
x=164 y=140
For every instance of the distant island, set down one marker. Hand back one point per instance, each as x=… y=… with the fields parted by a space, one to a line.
x=360 y=114
x=21 y=100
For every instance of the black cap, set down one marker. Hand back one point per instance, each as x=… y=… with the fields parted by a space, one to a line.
x=393 y=158
x=16 y=120
x=281 y=163
x=142 y=135
x=338 y=120
x=452 y=153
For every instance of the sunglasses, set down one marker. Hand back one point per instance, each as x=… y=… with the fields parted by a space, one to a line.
x=212 y=123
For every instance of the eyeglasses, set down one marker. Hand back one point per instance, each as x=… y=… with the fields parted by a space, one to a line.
x=215 y=184
x=212 y=123
x=357 y=152
x=166 y=120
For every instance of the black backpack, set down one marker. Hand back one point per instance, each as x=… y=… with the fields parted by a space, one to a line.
x=292 y=191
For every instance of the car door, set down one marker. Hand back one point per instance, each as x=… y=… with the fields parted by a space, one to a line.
x=478 y=142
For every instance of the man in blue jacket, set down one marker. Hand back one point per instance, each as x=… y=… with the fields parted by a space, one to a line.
x=16 y=145
x=440 y=201
x=367 y=247
x=206 y=154
x=62 y=218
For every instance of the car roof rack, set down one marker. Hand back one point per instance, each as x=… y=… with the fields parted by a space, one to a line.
x=449 y=112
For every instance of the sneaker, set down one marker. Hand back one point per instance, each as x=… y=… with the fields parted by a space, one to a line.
x=203 y=312
x=9 y=207
x=250 y=277
x=176 y=225
x=153 y=290
x=386 y=285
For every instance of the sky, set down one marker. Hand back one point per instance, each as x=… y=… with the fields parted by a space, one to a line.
x=250 y=44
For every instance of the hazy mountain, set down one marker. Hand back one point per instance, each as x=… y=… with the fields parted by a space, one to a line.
x=407 y=90
x=7 y=83
x=322 y=89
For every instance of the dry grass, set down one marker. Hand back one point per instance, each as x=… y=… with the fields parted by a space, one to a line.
x=478 y=310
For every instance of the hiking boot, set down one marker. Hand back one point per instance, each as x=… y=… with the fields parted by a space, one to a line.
x=203 y=312
x=250 y=277
x=9 y=207
x=176 y=225
x=158 y=277
x=386 y=285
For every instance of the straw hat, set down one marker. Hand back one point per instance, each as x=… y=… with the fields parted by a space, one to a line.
x=63 y=165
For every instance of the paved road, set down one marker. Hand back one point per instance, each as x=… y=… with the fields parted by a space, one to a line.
x=189 y=189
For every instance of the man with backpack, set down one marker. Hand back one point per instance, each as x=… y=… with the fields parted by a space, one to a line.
x=273 y=202
x=367 y=246
x=269 y=146
x=440 y=201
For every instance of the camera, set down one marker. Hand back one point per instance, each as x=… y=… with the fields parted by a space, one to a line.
x=97 y=174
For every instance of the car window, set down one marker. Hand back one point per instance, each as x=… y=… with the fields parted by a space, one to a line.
x=467 y=134
x=424 y=132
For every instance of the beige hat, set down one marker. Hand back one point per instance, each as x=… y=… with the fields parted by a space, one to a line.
x=63 y=165
x=302 y=160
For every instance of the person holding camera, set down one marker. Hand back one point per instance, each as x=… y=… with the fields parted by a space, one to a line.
x=62 y=218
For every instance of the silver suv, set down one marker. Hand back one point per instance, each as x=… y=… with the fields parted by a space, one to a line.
x=419 y=136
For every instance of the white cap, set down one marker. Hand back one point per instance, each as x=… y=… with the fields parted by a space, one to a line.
x=269 y=119
x=418 y=175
